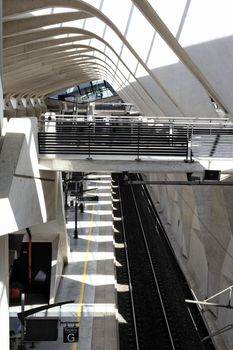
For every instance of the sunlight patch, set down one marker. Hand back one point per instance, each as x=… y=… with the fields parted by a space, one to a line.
x=93 y=280
x=85 y=224
x=92 y=256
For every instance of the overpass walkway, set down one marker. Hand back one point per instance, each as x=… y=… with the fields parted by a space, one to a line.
x=128 y=138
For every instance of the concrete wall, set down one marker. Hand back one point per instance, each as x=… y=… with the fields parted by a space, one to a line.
x=58 y=258
x=32 y=198
x=57 y=268
x=199 y=223
x=27 y=195
x=55 y=231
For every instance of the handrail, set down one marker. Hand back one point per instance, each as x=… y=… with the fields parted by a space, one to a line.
x=146 y=118
x=133 y=136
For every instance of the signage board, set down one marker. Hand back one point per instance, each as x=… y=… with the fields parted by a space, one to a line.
x=41 y=329
x=70 y=334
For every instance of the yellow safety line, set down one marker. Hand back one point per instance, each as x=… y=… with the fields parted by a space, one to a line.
x=80 y=304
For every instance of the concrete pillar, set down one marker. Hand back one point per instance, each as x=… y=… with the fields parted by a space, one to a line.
x=4 y=304
x=20 y=108
x=9 y=110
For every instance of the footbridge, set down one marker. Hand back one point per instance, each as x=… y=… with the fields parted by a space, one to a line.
x=135 y=143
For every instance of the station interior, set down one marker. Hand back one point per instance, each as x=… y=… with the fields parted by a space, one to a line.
x=100 y=99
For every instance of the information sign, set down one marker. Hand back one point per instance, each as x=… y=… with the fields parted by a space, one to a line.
x=70 y=334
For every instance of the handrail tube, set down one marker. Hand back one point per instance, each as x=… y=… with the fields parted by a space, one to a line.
x=24 y=314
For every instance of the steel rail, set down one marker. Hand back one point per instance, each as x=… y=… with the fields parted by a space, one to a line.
x=153 y=270
x=129 y=274
x=162 y=231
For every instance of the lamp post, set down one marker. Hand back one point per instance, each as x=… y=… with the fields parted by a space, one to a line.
x=76 y=216
x=76 y=211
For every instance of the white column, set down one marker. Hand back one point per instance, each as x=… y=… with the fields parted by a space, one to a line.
x=4 y=304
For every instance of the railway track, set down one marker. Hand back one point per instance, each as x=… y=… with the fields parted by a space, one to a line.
x=153 y=311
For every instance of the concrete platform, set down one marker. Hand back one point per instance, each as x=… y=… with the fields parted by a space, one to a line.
x=89 y=278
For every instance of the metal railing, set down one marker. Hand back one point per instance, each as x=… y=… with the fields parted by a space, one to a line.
x=109 y=136
x=135 y=136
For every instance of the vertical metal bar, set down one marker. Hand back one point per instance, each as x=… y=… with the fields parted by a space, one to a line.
x=189 y=152
x=89 y=141
x=29 y=256
x=66 y=196
x=138 y=145
x=76 y=218
x=171 y=127
x=171 y=130
x=189 y=146
x=66 y=202
x=76 y=212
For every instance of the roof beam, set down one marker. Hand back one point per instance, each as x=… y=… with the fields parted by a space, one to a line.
x=156 y=22
x=15 y=27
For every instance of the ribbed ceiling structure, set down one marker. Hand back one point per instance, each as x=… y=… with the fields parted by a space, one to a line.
x=166 y=57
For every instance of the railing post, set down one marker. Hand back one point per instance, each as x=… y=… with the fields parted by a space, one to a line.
x=189 y=146
x=138 y=145
x=189 y=152
x=89 y=141
x=76 y=218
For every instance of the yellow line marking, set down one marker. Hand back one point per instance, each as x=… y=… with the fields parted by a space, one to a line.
x=80 y=304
